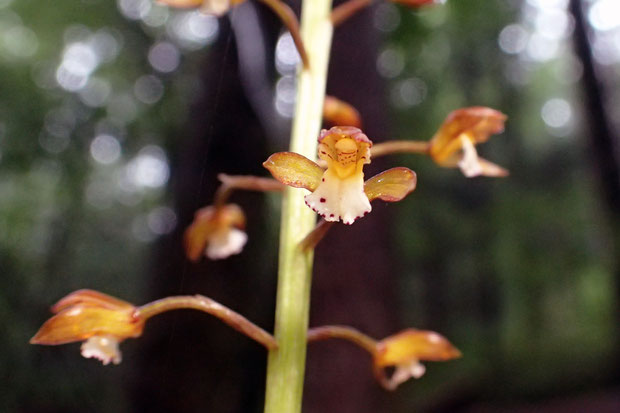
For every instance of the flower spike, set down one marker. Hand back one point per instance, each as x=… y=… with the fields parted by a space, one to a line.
x=217 y=232
x=339 y=192
x=454 y=143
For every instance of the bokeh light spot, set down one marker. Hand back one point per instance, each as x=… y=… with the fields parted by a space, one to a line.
x=105 y=149
x=164 y=57
x=556 y=113
x=20 y=41
x=149 y=169
x=148 y=89
x=287 y=57
x=513 y=39
x=390 y=63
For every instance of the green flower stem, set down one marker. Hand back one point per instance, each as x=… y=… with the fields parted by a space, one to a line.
x=286 y=365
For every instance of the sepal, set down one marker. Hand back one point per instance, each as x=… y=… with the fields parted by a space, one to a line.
x=294 y=170
x=392 y=185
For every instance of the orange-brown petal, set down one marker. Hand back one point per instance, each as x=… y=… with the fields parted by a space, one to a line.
x=410 y=345
x=91 y=298
x=477 y=123
x=294 y=170
x=338 y=112
x=197 y=234
x=345 y=131
x=391 y=185
x=81 y=322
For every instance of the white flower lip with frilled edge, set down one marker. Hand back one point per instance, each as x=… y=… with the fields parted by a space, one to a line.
x=103 y=348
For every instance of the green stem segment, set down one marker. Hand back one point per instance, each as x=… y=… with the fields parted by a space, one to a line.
x=286 y=365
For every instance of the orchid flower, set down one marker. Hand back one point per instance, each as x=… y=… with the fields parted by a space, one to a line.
x=97 y=319
x=217 y=232
x=403 y=351
x=102 y=322
x=339 y=193
x=454 y=143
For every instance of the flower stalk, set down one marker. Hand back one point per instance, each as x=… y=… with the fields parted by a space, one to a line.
x=393 y=147
x=230 y=183
x=317 y=234
x=286 y=365
x=348 y=9
x=207 y=305
x=289 y=19
x=344 y=333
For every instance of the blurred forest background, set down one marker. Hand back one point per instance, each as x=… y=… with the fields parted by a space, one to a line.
x=115 y=118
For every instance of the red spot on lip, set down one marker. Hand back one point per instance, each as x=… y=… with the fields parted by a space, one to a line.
x=331 y=215
x=322 y=199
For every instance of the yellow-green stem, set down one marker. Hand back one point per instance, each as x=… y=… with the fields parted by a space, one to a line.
x=286 y=365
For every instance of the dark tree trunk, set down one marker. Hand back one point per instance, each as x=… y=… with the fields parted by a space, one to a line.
x=603 y=145
x=190 y=361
